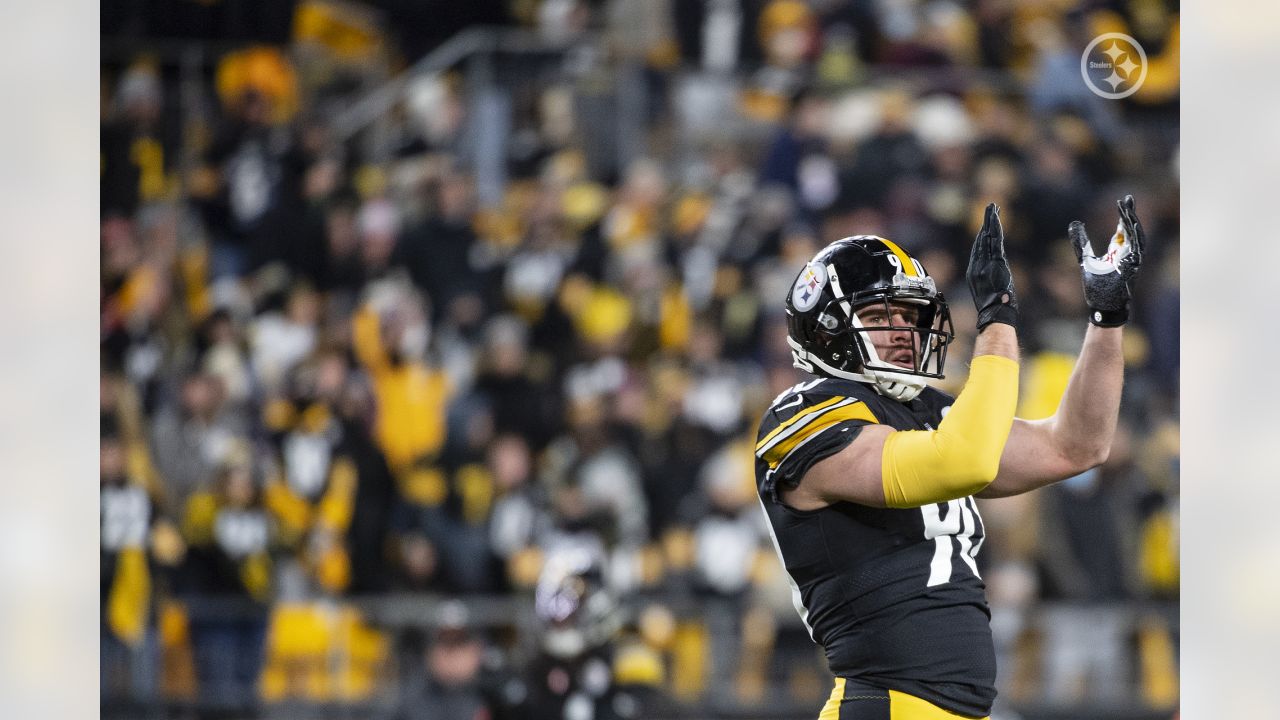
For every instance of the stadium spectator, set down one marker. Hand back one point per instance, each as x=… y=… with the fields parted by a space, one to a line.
x=191 y=440
x=137 y=151
x=230 y=535
x=1087 y=555
x=449 y=682
x=128 y=652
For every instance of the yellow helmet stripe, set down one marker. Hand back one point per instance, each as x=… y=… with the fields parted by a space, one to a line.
x=908 y=267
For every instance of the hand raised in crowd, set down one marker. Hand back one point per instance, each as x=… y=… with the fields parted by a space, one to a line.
x=990 y=279
x=1108 y=279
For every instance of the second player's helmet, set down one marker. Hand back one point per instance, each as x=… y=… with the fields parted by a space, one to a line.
x=826 y=336
x=575 y=611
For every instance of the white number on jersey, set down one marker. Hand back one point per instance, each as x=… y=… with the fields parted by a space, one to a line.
x=797 y=388
x=961 y=522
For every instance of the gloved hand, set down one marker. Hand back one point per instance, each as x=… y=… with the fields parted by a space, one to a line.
x=990 y=279
x=1107 y=279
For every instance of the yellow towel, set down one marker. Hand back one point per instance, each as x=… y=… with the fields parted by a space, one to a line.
x=130 y=598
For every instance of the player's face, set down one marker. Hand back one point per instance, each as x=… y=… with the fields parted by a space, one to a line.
x=897 y=347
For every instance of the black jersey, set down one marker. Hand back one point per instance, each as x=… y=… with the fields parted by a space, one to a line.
x=893 y=595
x=555 y=689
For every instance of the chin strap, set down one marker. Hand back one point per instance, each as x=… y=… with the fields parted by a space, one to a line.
x=896 y=386
x=893 y=385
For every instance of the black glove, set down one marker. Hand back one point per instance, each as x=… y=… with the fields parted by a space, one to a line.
x=989 y=277
x=1107 y=278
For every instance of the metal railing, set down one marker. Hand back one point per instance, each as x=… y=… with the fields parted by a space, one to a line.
x=473 y=44
x=400 y=616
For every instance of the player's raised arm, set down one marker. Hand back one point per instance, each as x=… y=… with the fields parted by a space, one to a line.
x=1079 y=435
x=909 y=468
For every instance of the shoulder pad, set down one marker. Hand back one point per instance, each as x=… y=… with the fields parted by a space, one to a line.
x=804 y=412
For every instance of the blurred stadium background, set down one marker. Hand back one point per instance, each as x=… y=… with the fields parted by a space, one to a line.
x=400 y=298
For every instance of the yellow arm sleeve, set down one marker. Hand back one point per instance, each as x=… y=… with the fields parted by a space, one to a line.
x=962 y=456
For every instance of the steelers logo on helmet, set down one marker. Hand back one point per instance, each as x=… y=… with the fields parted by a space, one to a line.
x=849 y=277
x=809 y=286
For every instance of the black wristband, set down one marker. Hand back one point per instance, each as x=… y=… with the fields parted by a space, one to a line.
x=1108 y=318
x=1006 y=313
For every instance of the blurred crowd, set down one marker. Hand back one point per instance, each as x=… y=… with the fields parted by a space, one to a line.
x=335 y=369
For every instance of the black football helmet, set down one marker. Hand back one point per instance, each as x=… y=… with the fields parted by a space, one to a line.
x=576 y=612
x=826 y=336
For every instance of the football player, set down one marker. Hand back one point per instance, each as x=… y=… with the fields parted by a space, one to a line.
x=572 y=675
x=868 y=477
